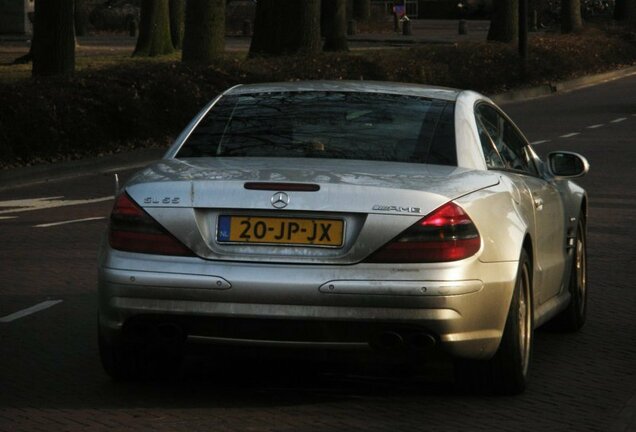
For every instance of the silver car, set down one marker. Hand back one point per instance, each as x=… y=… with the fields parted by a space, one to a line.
x=367 y=216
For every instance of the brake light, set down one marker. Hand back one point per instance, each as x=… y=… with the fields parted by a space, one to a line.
x=133 y=230
x=446 y=234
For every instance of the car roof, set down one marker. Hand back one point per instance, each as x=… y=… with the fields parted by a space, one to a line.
x=418 y=90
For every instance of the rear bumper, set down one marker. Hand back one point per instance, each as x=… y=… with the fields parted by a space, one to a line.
x=463 y=305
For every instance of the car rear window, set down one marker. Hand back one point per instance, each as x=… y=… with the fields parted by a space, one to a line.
x=340 y=125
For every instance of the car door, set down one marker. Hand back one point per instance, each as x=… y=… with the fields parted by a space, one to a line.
x=507 y=150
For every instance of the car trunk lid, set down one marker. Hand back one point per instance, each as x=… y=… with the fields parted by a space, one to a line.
x=375 y=200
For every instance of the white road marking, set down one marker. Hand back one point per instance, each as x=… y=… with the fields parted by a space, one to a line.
x=44 y=203
x=47 y=225
x=29 y=311
x=539 y=142
x=618 y=120
x=7 y=217
x=570 y=135
x=596 y=126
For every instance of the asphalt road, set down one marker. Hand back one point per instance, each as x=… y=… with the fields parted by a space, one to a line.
x=51 y=379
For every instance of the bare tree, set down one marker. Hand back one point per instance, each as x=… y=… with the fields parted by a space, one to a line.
x=335 y=25
x=177 y=17
x=362 y=9
x=630 y=12
x=571 y=20
x=154 y=29
x=204 y=37
x=619 y=10
x=504 y=24
x=286 y=27
x=81 y=17
x=53 y=48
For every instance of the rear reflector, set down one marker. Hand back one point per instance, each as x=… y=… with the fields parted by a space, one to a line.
x=133 y=230
x=446 y=234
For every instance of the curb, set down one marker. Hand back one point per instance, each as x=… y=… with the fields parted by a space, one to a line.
x=589 y=80
x=562 y=86
x=523 y=94
x=138 y=158
x=27 y=176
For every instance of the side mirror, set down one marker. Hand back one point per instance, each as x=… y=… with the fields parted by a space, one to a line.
x=564 y=164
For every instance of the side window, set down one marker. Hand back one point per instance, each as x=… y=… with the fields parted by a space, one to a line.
x=487 y=127
x=516 y=146
x=508 y=142
x=443 y=150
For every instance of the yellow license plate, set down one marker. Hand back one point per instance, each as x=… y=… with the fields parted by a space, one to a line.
x=278 y=230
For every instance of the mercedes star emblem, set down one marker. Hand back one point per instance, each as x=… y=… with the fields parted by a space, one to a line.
x=280 y=200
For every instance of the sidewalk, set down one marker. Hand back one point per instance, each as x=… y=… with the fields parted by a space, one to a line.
x=428 y=31
x=423 y=31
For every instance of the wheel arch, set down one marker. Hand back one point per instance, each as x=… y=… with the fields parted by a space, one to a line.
x=584 y=207
x=528 y=247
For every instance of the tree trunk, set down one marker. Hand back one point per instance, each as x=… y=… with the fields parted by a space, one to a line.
x=630 y=12
x=335 y=25
x=286 y=27
x=177 y=16
x=53 y=46
x=362 y=9
x=308 y=27
x=266 y=32
x=81 y=17
x=204 y=37
x=571 y=21
x=620 y=10
x=504 y=24
x=154 y=29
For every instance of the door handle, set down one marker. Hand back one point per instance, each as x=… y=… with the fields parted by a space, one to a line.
x=538 y=204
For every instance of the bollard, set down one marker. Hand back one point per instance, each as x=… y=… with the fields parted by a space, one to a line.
x=247 y=28
x=463 y=27
x=352 y=28
x=406 y=27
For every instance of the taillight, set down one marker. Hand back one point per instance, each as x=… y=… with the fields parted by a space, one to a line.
x=447 y=234
x=133 y=230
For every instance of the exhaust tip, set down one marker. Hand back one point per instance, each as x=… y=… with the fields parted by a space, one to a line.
x=421 y=341
x=139 y=333
x=169 y=332
x=388 y=340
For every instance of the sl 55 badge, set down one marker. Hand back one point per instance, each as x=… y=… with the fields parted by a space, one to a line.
x=165 y=200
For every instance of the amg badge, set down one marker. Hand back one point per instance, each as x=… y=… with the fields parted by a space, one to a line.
x=399 y=209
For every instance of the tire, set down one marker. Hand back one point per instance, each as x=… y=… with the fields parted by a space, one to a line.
x=573 y=317
x=126 y=359
x=506 y=373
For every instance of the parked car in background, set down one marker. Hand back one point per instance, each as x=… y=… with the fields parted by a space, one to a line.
x=377 y=217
